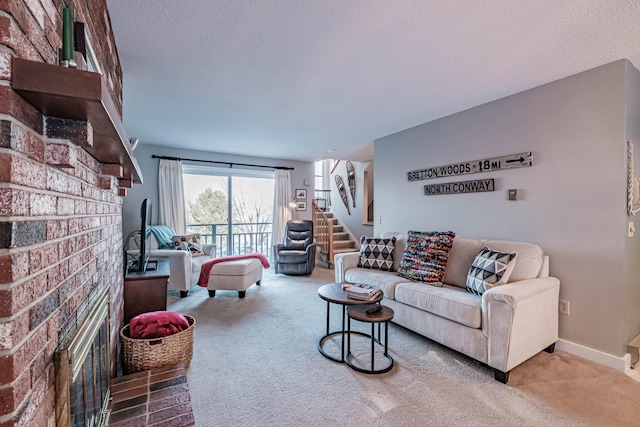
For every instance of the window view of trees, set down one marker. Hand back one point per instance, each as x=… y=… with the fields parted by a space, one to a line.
x=248 y=227
x=210 y=207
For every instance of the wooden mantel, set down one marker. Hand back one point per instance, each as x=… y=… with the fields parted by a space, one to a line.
x=68 y=93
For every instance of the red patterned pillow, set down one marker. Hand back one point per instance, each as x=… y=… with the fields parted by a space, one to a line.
x=426 y=255
x=157 y=324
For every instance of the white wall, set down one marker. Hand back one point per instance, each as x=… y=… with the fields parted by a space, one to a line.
x=149 y=188
x=572 y=201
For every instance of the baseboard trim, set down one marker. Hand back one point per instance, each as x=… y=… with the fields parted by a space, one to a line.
x=622 y=364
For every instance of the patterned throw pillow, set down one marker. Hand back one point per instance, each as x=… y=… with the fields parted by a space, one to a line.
x=188 y=242
x=376 y=253
x=426 y=255
x=489 y=269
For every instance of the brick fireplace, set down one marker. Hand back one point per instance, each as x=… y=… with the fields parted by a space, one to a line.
x=60 y=211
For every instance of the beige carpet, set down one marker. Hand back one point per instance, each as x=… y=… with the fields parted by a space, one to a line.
x=256 y=364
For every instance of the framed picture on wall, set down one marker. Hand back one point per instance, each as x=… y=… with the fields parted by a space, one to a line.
x=301 y=206
x=301 y=193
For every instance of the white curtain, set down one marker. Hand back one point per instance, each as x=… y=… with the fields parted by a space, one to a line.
x=281 y=210
x=171 y=195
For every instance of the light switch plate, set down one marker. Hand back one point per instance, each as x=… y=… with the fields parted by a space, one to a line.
x=513 y=194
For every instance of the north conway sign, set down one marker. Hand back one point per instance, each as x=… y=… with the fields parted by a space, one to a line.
x=477 y=186
x=485 y=165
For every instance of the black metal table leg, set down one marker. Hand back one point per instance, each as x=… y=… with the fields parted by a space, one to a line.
x=320 y=345
x=373 y=340
x=382 y=316
x=328 y=315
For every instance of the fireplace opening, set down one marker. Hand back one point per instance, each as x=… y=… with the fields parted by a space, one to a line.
x=82 y=368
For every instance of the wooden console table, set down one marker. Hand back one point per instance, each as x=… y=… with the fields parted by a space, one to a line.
x=144 y=292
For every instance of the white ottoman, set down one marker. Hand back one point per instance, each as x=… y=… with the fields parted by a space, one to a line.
x=234 y=276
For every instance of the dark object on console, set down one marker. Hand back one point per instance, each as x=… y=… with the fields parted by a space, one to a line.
x=297 y=255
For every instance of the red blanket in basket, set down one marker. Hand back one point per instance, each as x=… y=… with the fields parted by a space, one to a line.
x=207 y=265
x=157 y=324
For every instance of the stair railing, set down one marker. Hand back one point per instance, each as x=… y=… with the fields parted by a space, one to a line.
x=323 y=227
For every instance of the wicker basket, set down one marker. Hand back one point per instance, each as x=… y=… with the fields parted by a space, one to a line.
x=143 y=354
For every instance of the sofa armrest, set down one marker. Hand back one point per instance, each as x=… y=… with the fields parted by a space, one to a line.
x=169 y=253
x=344 y=261
x=520 y=319
x=179 y=265
x=209 y=250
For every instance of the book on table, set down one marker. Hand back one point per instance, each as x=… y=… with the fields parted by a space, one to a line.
x=362 y=291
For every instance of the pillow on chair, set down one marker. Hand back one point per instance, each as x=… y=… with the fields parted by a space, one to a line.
x=188 y=242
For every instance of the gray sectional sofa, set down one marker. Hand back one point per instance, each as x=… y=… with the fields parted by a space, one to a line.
x=502 y=328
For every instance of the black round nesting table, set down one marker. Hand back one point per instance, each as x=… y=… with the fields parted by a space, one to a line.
x=334 y=294
x=384 y=315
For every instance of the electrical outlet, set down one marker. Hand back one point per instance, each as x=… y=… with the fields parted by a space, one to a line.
x=563 y=306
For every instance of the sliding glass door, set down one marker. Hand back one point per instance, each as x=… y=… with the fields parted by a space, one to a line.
x=232 y=208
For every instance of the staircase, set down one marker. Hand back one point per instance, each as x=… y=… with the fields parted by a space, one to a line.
x=330 y=236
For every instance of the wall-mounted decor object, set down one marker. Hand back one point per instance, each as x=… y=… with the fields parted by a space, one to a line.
x=460 y=187
x=301 y=206
x=633 y=184
x=66 y=58
x=512 y=161
x=351 y=179
x=343 y=192
x=301 y=194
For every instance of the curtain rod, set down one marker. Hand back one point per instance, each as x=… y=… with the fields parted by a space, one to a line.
x=222 y=163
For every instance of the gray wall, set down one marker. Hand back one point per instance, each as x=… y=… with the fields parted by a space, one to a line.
x=149 y=188
x=572 y=201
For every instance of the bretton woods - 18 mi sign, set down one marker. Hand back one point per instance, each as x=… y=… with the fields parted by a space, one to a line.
x=485 y=165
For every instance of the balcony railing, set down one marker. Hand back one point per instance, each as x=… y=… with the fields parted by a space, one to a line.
x=243 y=238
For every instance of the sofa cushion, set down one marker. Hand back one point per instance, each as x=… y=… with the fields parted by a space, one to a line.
x=400 y=246
x=464 y=251
x=237 y=267
x=293 y=256
x=449 y=302
x=425 y=258
x=530 y=258
x=489 y=269
x=385 y=280
x=376 y=253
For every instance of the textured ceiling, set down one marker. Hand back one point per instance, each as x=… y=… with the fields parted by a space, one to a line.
x=294 y=78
